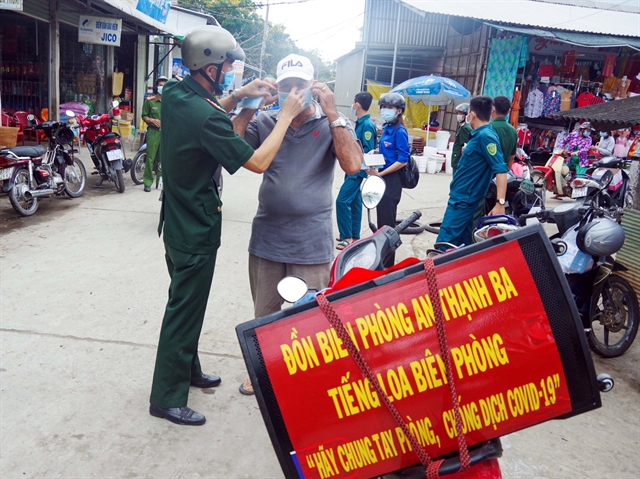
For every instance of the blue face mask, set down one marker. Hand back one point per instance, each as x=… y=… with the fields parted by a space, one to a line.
x=228 y=80
x=282 y=96
x=353 y=110
x=388 y=115
x=586 y=134
x=604 y=134
x=160 y=90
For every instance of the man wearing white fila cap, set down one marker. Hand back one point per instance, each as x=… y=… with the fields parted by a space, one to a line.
x=293 y=229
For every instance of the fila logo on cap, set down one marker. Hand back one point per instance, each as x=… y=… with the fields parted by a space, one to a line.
x=292 y=63
x=295 y=66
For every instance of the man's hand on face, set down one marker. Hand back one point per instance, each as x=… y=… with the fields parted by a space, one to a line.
x=292 y=105
x=325 y=98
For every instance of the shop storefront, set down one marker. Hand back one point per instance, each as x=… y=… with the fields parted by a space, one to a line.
x=49 y=59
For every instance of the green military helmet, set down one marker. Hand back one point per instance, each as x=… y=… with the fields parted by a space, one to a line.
x=209 y=44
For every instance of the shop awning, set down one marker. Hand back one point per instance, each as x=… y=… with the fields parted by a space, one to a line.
x=609 y=116
x=574 y=38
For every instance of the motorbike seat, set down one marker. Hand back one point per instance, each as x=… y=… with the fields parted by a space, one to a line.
x=110 y=135
x=30 y=151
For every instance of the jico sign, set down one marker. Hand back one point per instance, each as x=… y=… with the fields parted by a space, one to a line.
x=100 y=30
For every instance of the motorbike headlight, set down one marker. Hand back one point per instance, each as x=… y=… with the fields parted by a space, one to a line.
x=362 y=258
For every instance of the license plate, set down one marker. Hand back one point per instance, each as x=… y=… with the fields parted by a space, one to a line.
x=114 y=155
x=6 y=173
x=579 y=192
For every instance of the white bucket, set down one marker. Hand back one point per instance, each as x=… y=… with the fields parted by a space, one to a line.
x=422 y=164
x=432 y=165
x=447 y=167
x=442 y=139
x=429 y=150
x=439 y=164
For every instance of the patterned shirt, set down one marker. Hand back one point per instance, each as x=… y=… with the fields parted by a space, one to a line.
x=576 y=142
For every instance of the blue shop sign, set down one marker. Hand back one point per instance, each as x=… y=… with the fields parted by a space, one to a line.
x=156 y=9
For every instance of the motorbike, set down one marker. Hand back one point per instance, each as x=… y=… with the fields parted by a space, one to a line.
x=521 y=196
x=557 y=175
x=139 y=161
x=31 y=172
x=105 y=148
x=588 y=237
x=619 y=195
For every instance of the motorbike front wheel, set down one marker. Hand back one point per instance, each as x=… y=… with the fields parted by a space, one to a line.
x=137 y=169
x=614 y=318
x=24 y=206
x=118 y=179
x=75 y=179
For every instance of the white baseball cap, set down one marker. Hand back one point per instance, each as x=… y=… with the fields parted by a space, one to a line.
x=295 y=66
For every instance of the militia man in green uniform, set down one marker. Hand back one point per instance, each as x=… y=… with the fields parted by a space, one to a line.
x=462 y=135
x=507 y=134
x=151 y=116
x=197 y=136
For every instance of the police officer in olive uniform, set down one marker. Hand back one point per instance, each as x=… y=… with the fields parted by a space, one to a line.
x=197 y=136
x=151 y=116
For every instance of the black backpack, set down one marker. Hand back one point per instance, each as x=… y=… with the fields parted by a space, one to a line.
x=409 y=175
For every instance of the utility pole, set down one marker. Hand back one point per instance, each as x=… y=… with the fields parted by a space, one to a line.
x=264 y=38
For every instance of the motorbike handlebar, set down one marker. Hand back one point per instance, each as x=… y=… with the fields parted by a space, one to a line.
x=414 y=217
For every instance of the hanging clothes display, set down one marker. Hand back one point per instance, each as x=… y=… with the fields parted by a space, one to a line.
x=609 y=65
x=535 y=103
x=568 y=62
x=584 y=99
x=565 y=100
x=504 y=58
x=551 y=102
x=515 y=109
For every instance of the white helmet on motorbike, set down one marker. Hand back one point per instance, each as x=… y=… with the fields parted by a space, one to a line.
x=601 y=237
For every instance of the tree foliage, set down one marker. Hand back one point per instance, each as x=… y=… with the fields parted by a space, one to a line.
x=240 y=17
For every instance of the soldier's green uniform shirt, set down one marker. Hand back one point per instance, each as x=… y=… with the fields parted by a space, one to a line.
x=462 y=137
x=195 y=139
x=152 y=108
x=508 y=136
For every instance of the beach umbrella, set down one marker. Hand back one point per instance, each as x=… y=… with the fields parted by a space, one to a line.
x=433 y=90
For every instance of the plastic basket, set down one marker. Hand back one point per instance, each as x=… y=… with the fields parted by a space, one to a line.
x=9 y=136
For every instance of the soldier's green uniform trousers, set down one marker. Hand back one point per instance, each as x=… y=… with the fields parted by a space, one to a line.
x=177 y=359
x=153 y=145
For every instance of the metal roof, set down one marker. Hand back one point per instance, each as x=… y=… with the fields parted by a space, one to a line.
x=539 y=14
x=610 y=115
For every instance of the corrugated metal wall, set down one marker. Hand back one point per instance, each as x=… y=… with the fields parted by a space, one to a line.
x=629 y=255
x=417 y=30
x=348 y=81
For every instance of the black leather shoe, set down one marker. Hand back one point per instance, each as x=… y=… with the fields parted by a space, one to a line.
x=205 y=381
x=178 y=415
x=147 y=189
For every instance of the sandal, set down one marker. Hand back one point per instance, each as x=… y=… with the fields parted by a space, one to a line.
x=246 y=388
x=343 y=244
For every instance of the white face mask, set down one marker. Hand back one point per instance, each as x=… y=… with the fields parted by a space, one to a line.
x=460 y=118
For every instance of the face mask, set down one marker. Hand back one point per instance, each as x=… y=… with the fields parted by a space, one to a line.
x=228 y=79
x=388 y=115
x=586 y=134
x=604 y=134
x=282 y=96
x=159 y=90
x=353 y=110
x=460 y=118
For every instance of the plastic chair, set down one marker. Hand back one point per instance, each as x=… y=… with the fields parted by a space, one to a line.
x=8 y=121
x=20 y=117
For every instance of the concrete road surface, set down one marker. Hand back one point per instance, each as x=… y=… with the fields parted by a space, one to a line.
x=83 y=287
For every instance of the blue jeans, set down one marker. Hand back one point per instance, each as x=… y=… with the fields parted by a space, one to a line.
x=349 y=206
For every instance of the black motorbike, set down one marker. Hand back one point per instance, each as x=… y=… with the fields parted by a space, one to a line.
x=522 y=195
x=36 y=172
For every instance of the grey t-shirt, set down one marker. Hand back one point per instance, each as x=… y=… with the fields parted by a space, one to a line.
x=293 y=223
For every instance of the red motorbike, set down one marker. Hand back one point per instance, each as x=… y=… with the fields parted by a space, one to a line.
x=105 y=147
x=555 y=174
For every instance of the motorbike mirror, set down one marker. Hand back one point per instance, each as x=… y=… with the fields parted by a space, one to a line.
x=372 y=191
x=70 y=114
x=292 y=288
x=31 y=117
x=606 y=178
x=114 y=103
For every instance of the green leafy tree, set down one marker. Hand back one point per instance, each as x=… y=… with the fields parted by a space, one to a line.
x=240 y=17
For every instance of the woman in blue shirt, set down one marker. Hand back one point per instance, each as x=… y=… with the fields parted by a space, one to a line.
x=394 y=146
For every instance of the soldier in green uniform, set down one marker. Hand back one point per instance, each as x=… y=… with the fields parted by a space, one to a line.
x=197 y=136
x=507 y=134
x=462 y=135
x=151 y=116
